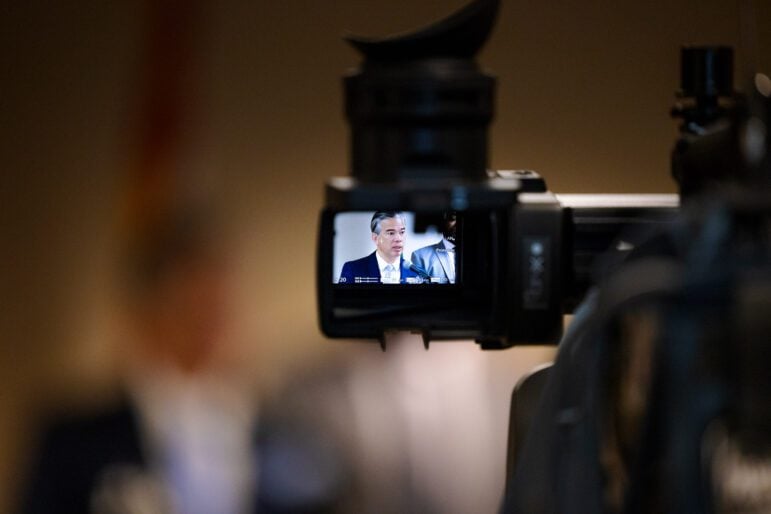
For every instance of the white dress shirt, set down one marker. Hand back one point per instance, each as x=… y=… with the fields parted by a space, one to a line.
x=198 y=431
x=392 y=275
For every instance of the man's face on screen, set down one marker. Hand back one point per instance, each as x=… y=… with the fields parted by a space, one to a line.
x=390 y=242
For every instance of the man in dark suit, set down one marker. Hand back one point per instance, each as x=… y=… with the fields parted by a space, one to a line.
x=438 y=260
x=386 y=264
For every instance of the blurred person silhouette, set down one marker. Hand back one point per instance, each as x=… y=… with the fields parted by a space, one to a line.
x=183 y=436
x=177 y=440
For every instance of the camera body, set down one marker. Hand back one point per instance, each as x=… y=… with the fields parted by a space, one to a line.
x=419 y=109
x=523 y=258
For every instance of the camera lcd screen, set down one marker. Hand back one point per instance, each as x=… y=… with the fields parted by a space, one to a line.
x=395 y=248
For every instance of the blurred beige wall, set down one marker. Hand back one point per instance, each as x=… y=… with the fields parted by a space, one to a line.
x=583 y=97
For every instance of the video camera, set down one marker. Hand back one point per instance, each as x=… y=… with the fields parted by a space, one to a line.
x=521 y=256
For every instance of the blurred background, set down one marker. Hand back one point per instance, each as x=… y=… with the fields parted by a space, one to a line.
x=238 y=104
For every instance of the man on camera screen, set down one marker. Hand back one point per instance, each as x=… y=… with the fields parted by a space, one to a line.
x=386 y=265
